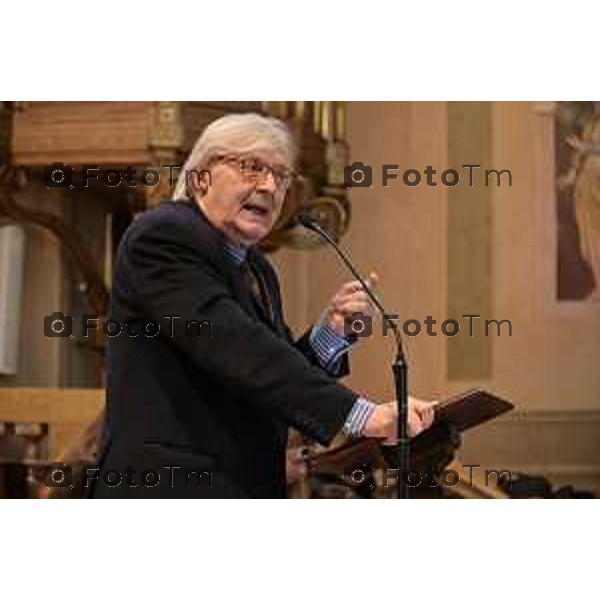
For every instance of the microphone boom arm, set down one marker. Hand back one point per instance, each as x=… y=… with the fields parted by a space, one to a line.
x=399 y=366
x=311 y=224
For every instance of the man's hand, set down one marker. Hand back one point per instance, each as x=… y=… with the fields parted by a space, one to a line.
x=420 y=415
x=350 y=298
x=384 y=420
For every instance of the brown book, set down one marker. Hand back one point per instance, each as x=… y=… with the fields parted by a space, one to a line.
x=470 y=409
x=458 y=413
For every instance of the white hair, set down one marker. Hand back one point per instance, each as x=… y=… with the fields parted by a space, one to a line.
x=237 y=134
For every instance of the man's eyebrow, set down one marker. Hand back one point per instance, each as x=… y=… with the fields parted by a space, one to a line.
x=277 y=165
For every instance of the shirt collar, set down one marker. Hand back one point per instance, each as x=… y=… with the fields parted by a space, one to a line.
x=236 y=252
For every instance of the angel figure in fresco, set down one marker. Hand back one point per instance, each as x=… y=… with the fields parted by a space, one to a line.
x=583 y=180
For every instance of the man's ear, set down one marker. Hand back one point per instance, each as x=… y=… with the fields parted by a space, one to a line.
x=198 y=182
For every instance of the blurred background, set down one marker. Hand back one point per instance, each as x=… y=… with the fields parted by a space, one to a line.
x=522 y=248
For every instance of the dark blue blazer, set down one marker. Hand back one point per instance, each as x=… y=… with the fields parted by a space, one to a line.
x=203 y=412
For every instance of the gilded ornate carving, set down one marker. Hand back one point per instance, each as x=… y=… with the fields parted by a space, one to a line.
x=166 y=130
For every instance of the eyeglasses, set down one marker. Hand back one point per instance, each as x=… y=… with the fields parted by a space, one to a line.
x=254 y=169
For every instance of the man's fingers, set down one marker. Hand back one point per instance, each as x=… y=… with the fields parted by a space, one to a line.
x=353 y=286
x=350 y=287
x=359 y=296
x=372 y=280
x=424 y=412
x=427 y=418
x=355 y=306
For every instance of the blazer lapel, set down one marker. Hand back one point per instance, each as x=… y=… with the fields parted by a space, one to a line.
x=235 y=278
x=230 y=270
x=276 y=318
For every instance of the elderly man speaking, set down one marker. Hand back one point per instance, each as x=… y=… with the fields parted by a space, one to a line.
x=205 y=379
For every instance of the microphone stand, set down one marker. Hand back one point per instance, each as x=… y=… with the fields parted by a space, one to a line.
x=399 y=366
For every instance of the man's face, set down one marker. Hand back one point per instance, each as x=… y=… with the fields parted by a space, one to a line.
x=246 y=195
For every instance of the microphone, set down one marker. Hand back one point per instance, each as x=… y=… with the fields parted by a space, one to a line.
x=399 y=366
x=311 y=223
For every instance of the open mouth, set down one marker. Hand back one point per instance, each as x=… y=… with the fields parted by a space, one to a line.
x=257 y=210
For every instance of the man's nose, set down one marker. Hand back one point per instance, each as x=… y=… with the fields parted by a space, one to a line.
x=268 y=184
